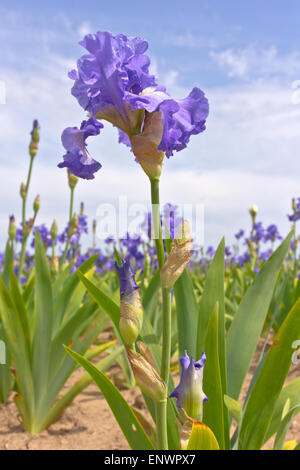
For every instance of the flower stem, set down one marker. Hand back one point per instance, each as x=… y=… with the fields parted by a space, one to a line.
x=24 y=238
x=161 y=425
x=70 y=220
x=161 y=408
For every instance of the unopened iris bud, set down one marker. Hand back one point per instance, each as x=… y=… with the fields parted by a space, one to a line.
x=73 y=225
x=54 y=264
x=179 y=256
x=35 y=137
x=36 y=204
x=28 y=227
x=72 y=179
x=144 y=145
x=23 y=190
x=53 y=230
x=147 y=377
x=294 y=205
x=82 y=208
x=253 y=210
x=131 y=311
x=12 y=228
x=189 y=393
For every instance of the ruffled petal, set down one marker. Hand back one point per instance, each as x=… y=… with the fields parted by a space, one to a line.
x=77 y=158
x=188 y=120
x=114 y=65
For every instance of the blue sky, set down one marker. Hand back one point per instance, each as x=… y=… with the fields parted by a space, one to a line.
x=244 y=55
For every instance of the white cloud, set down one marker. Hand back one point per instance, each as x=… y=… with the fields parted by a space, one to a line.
x=252 y=61
x=190 y=40
x=84 y=28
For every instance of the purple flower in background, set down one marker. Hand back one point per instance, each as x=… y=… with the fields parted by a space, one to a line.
x=112 y=82
x=239 y=234
x=45 y=236
x=189 y=393
x=19 y=234
x=82 y=224
x=259 y=232
x=296 y=210
x=227 y=251
x=77 y=158
x=265 y=255
x=272 y=233
x=244 y=259
x=110 y=240
x=172 y=220
x=210 y=251
x=294 y=217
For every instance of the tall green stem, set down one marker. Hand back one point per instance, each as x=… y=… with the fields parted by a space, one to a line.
x=70 y=220
x=24 y=238
x=161 y=408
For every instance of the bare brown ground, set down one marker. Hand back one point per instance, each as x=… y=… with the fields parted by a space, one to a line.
x=88 y=423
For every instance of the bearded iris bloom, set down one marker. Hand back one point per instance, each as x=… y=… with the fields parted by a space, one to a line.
x=112 y=82
x=189 y=393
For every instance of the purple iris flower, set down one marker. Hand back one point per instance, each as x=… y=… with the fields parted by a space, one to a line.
x=296 y=210
x=265 y=255
x=210 y=251
x=77 y=158
x=189 y=393
x=259 y=232
x=45 y=236
x=243 y=259
x=294 y=217
x=126 y=278
x=227 y=251
x=239 y=234
x=112 y=82
x=82 y=224
x=171 y=219
x=272 y=233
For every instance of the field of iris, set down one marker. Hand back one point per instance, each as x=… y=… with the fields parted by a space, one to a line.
x=170 y=304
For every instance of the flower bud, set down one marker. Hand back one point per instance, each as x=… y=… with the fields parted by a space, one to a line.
x=53 y=230
x=147 y=377
x=12 y=228
x=81 y=208
x=144 y=145
x=28 y=227
x=54 y=264
x=202 y=438
x=72 y=179
x=253 y=210
x=189 y=393
x=131 y=311
x=35 y=137
x=179 y=256
x=36 y=204
x=23 y=190
x=73 y=227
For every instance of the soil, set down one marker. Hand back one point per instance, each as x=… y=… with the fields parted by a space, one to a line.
x=88 y=422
